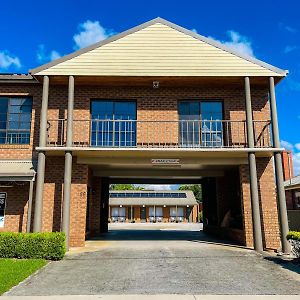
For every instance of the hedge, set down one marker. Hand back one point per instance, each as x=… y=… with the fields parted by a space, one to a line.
x=294 y=238
x=46 y=245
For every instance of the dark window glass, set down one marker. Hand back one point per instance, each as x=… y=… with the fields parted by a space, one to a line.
x=113 y=123
x=200 y=123
x=15 y=120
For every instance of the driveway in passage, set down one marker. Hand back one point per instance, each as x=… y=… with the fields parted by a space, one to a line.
x=162 y=259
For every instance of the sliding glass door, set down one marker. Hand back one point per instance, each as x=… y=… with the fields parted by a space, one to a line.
x=113 y=123
x=200 y=123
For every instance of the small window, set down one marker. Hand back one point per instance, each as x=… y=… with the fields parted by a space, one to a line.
x=2 y=208
x=15 y=120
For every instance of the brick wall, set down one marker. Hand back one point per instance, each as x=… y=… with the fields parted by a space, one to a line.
x=16 y=206
x=53 y=197
x=287 y=164
x=94 y=211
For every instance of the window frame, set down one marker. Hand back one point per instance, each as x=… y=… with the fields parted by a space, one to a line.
x=114 y=143
x=200 y=100
x=16 y=140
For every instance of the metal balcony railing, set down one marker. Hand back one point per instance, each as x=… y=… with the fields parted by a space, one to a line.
x=158 y=134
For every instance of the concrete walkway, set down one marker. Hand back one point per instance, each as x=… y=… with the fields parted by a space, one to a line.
x=157 y=260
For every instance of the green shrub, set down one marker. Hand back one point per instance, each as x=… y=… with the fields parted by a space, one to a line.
x=293 y=235
x=46 y=245
x=294 y=238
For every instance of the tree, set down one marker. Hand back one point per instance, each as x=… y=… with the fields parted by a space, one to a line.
x=124 y=187
x=195 y=188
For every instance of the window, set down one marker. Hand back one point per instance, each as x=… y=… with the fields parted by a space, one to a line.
x=200 y=123
x=172 y=211
x=176 y=212
x=113 y=123
x=15 y=120
x=159 y=211
x=2 y=208
x=118 y=212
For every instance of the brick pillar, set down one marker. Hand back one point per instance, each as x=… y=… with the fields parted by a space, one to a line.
x=246 y=205
x=267 y=192
x=267 y=195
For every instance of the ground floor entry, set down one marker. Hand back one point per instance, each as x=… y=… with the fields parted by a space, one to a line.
x=226 y=196
x=161 y=259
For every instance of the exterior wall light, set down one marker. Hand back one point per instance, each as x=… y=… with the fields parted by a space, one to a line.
x=155 y=84
x=121 y=205
x=187 y=206
x=143 y=205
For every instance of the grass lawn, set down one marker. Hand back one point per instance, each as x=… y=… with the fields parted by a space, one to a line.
x=13 y=271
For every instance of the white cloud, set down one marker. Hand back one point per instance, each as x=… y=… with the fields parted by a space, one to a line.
x=238 y=43
x=43 y=56
x=7 y=61
x=157 y=187
x=289 y=49
x=297 y=146
x=90 y=32
x=286 y=145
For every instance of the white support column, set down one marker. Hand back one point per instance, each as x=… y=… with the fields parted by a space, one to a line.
x=281 y=201
x=38 y=208
x=68 y=163
x=256 y=219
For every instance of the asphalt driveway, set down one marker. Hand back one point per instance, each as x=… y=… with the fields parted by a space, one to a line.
x=162 y=259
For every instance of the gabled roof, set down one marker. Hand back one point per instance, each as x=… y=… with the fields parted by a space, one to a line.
x=158 y=48
x=145 y=199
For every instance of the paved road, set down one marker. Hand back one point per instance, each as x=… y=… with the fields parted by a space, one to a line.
x=176 y=259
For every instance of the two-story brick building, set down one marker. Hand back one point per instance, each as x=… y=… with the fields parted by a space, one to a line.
x=157 y=103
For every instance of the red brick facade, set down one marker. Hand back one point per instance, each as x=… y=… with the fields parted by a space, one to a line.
x=152 y=104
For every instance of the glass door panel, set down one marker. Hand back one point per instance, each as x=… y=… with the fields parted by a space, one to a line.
x=113 y=123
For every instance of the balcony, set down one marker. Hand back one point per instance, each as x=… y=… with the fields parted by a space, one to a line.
x=183 y=134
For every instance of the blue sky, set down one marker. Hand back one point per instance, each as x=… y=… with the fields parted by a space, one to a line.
x=34 y=32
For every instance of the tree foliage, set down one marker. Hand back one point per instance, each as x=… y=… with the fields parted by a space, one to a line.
x=124 y=187
x=195 y=188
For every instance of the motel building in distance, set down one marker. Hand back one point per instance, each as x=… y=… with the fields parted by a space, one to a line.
x=155 y=104
x=153 y=206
